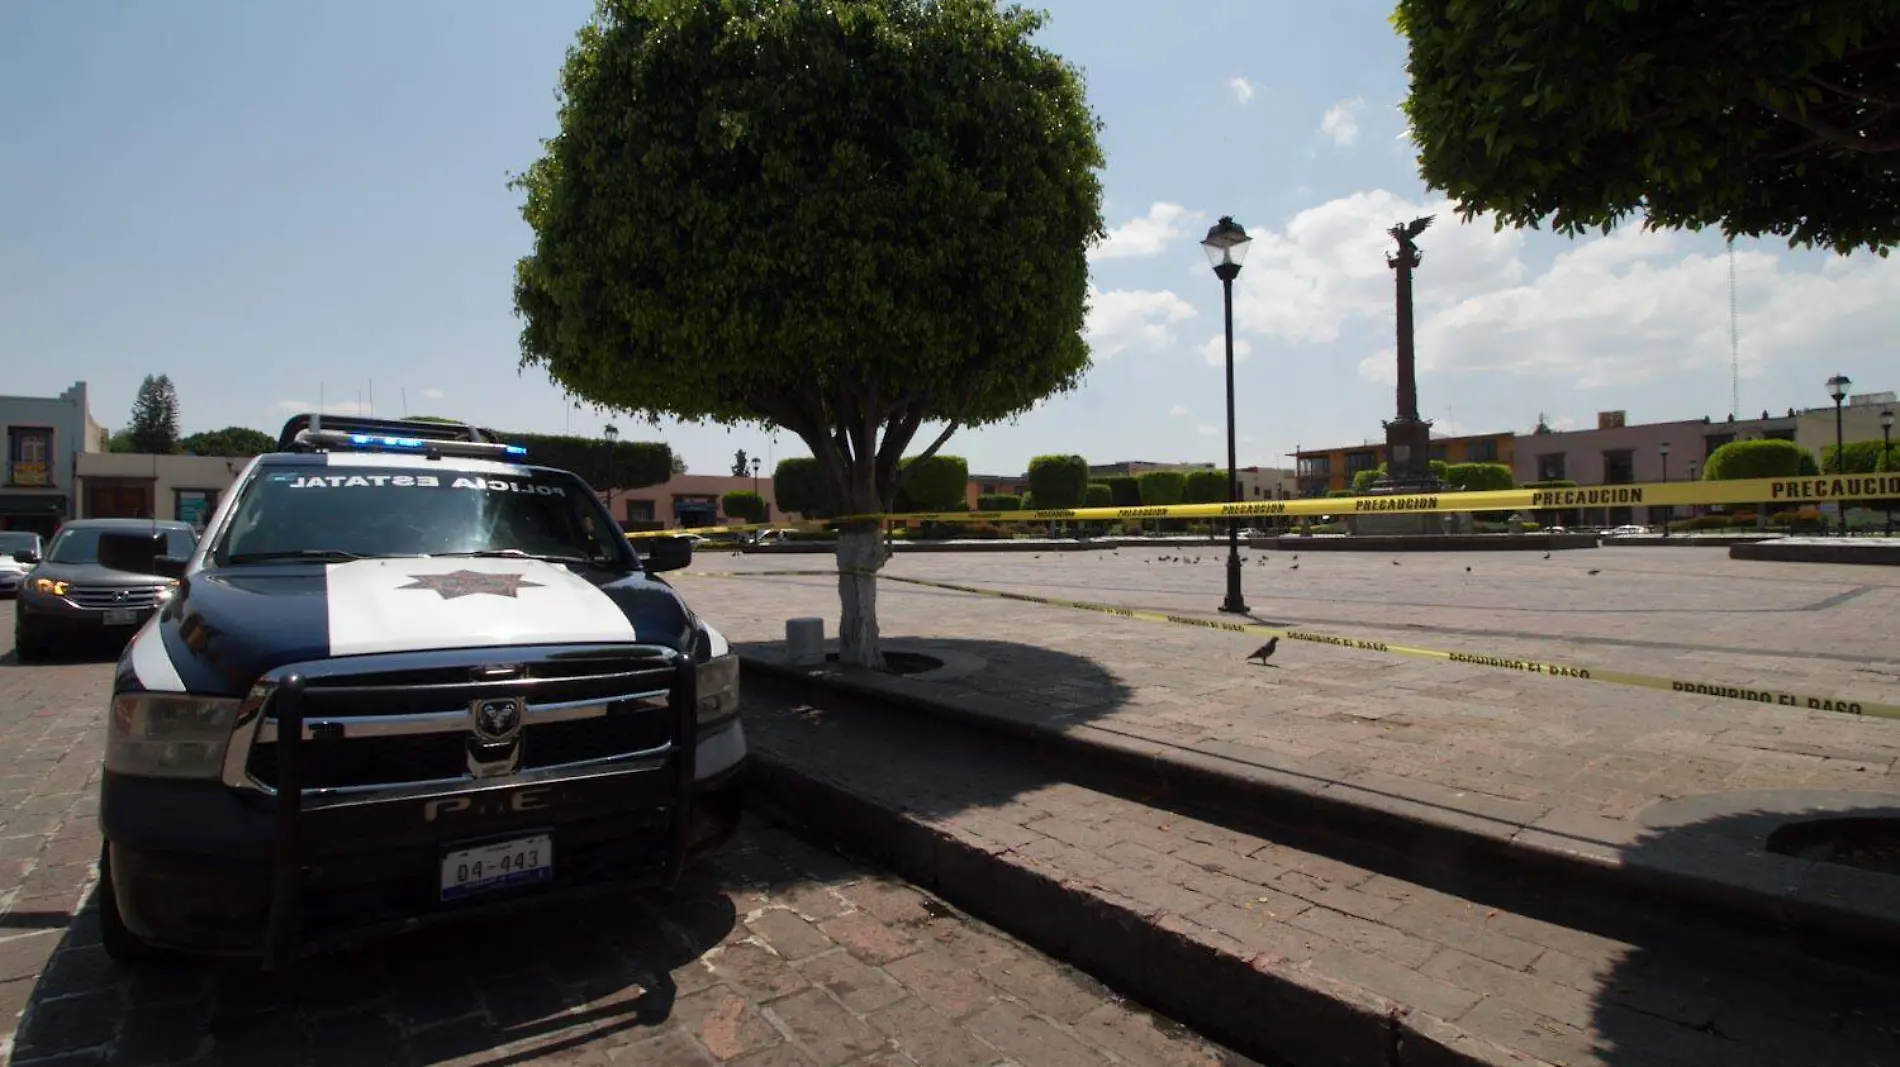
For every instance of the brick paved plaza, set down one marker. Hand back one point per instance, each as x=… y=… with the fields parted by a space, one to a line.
x=1527 y=750
x=778 y=954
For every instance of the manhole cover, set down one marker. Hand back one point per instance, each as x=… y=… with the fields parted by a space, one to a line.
x=1869 y=844
x=904 y=662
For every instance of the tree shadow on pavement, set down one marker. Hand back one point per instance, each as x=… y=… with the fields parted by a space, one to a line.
x=506 y=990
x=1669 y=998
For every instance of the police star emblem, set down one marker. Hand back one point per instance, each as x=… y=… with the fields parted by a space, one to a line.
x=470 y=583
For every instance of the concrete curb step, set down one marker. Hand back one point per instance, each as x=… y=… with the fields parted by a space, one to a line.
x=1720 y=887
x=1255 y=1006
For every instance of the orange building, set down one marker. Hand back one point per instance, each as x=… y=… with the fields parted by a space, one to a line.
x=1321 y=471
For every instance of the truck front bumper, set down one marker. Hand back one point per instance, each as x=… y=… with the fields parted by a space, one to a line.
x=195 y=865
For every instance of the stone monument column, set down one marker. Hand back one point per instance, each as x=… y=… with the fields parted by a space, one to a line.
x=1408 y=438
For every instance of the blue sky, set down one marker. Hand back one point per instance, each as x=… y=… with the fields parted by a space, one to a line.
x=273 y=201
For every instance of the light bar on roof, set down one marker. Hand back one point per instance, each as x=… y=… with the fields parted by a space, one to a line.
x=376 y=442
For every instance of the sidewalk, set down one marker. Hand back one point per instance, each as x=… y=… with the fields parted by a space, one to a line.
x=1675 y=791
x=1284 y=954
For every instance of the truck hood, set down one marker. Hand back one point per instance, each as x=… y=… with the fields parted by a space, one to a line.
x=224 y=628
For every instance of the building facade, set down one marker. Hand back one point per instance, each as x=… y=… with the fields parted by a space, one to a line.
x=43 y=435
x=1324 y=470
x=132 y=485
x=687 y=500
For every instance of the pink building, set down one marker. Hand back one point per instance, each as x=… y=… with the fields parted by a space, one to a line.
x=687 y=500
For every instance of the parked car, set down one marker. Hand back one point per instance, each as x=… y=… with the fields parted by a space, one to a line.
x=71 y=595
x=16 y=548
x=1628 y=530
x=407 y=677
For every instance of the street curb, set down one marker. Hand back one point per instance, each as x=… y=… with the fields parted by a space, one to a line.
x=1256 y=1005
x=1866 y=554
x=1524 y=542
x=1764 y=903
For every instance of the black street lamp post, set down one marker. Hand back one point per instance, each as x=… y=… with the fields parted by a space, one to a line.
x=1670 y=512
x=1692 y=508
x=612 y=434
x=1837 y=387
x=1886 y=456
x=1226 y=246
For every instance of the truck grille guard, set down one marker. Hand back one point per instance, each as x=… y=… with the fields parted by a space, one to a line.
x=279 y=713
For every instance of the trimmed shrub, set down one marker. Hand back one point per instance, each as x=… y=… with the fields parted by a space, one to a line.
x=1058 y=481
x=1205 y=487
x=999 y=502
x=743 y=504
x=1364 y=480
x=936 y=484
x=1161 y=488
x=621 y=465
x=800 y=487
x=1125 y=490
x=1098 y=495
x=1480 y=477
x=1767 y=458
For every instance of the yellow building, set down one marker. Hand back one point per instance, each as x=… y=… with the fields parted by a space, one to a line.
x=1323 y=470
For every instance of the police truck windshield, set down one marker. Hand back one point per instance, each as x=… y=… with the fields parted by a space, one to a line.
x=342 y=513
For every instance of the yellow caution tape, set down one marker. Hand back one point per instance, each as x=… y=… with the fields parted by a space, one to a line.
x=1784 y=492
x=1542 y=668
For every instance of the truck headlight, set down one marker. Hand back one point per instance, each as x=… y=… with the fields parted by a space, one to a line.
x=718 y=689
x=169 y=735
x=49 y=587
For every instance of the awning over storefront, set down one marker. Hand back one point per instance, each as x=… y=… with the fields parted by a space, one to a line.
x=32 y=504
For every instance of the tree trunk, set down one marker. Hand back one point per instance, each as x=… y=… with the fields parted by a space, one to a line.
x=860 y=555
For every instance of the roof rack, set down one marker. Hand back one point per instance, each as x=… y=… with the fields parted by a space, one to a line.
x=311 y=432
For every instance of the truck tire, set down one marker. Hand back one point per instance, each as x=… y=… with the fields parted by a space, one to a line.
x=121 y=944
x=29 y=649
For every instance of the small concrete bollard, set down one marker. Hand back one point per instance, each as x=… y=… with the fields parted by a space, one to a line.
x=805 y=642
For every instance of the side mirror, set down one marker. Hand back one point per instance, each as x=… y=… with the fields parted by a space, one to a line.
x=27 y=556
x=667 y=553
x=133 y=553
x=169 y=566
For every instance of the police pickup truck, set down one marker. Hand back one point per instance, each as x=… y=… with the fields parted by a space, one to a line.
x=406 y=676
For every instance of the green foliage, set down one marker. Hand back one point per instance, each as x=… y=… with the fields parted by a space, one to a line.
x=938 y=483
x=1440 y=469
x=154 y=427
x=1161 y=488
x=1058 y=481
x=1554 y=483
x=999 y=502
x=1862 y=457
x=743 y=504
x=230 y=441
x=1339 y=492
x=1028 y=501
x=1755 y=116
x=121 y=441
x=621 y=465
x=1125 y=490
x=1365 y=480
x=767 y=211
x=1766 y=458
x=1479 y=477
x=799 y=487
x=1098 y=495
x=1205 y=487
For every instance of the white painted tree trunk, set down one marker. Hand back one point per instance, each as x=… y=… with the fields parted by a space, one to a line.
x=860 y=555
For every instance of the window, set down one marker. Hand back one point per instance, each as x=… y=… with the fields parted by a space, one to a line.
x=1316 y=466
x=1550 y=467
x=80 y=544
x=1779 y=435
x=1481 y=451
x=1619 y=466
x=1360 y=461
x=29 y=455
x=1715 y=441
x=394 y=511
x=194 y=506
x=639 y=511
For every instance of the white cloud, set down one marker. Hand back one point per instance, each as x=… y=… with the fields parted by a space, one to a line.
x=433 y=394
x=1215 y=350
x=1146 y=236
x=1617 y=309
x=1242 y=88
x=1124 y=318
x=1206 y=431
x=332 y=407
x=1341 y=121
x=1177 y=411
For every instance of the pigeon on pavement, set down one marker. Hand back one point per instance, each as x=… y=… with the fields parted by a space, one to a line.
x=1266 y=650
